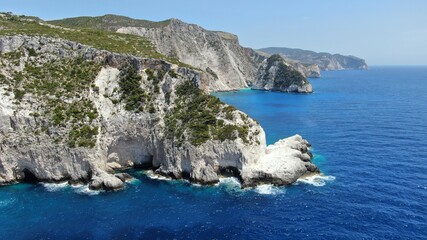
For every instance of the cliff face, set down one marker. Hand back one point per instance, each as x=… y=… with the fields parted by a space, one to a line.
x=274 y=74
x=217 y=53
x=325 y=61
x=73 y=112
x=308 y=70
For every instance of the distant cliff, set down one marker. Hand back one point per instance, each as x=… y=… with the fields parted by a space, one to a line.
x=325 y=61
x=274 y=74
x=219 y=54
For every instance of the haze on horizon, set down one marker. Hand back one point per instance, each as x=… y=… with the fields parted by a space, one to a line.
x=383 y=32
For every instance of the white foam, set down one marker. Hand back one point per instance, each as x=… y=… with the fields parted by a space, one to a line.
x=317 y=180
x=268 y=189
x=84 y=190
x=54 y=187
x=78 y=185
x=231 y=185
x=152 y=175
x=134 y=181
x=229 y=181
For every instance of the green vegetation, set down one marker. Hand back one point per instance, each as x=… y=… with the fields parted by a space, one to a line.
x=286 y=75
x=229 y=112
x=111 y=41
x=63 y=78
x=107 y=22
x=57 y=86
x=194 y=118
x=32 y=52
x=173 y=74
x=3 y=79
x=132 y=94
x=83 y=136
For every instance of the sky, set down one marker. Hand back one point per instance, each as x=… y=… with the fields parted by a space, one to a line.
x=384 y=32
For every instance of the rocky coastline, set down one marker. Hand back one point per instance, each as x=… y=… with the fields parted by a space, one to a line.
x=42 y=138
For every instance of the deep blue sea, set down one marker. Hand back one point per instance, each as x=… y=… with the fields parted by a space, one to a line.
x=369 y=135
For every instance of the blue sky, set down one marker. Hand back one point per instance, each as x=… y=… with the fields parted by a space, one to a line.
x=384 y=32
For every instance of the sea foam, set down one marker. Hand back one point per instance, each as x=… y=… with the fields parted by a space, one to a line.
x=152 y=175
x=54 y=187
x=268 y=189
x=317 y=180
x=229 y=181
x=85 y=190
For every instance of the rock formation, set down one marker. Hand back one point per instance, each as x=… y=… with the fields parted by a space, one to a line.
x=218 y=53
x=308 y=70
x=282 y=164
x=325 y=61
x=73 y=112
x=274 y=74
x=230 y=66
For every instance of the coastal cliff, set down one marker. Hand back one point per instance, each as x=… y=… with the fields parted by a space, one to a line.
x=219 y=54
x=276 y=75
x=73 y=112
x=325 y=61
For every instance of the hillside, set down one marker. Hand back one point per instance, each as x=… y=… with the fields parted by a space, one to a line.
x=218 y=53
x=111 y=41
x=108 y=22
x=325 y=61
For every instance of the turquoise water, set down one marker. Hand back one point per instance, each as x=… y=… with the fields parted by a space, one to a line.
x=368 y=130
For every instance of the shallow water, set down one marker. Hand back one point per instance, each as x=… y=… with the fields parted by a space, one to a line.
x=368 y=131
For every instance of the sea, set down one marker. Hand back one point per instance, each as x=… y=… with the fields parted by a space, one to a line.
x=368 y=131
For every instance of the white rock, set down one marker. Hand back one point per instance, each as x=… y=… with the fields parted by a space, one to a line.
x=127 y=139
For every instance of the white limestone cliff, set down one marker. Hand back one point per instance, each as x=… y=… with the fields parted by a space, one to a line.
x=127 y=138
x=231 y=66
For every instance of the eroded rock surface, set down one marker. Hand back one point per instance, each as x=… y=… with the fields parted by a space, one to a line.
x=276 y=75
x=73 y=112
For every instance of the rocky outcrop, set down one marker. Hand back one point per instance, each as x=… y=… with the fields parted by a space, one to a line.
x=282 y=164
x=73 y=112
x=276 y=75
x=218 y=53
x=229 y=65
x=308 y=70
x=325 y=61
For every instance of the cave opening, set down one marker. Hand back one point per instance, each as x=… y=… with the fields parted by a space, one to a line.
x=230 y=172
x=29 y=177
x=185 y=175
x=147 y=164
